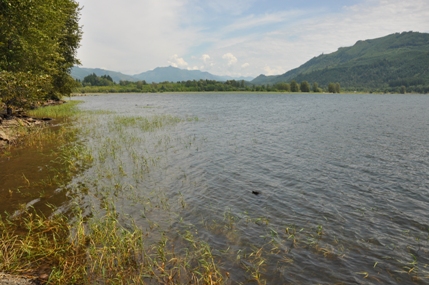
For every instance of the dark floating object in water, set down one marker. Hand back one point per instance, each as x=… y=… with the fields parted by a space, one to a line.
x=256 y=192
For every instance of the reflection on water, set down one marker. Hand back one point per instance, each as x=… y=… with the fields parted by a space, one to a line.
x=30 y=175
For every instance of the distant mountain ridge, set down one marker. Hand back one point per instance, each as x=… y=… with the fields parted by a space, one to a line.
x=159 y=74
x=382 y=64
x=81 y=72
x=396 y=59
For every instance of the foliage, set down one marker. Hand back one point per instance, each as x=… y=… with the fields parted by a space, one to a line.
x=294 y=87
x=305 y=86
x=194 y=86
x=316 y=87
x=21 y=89
x=337 y=88
x=38 y=39
x=282 y=86
x=334 y=88
x=181 y=86
x=94 y=80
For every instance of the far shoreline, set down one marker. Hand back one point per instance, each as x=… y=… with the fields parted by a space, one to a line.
x=79 y=94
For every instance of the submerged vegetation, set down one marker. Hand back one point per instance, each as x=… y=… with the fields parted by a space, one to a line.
x=122 y=224
x=73 y=246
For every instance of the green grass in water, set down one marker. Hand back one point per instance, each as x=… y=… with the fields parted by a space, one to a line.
x=58 y=111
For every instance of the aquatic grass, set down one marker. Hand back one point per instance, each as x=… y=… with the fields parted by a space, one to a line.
x=106 y=248
x=144 y=123
x=65 y=110
x=31 y=244
x=98 y=248
x=135 y=229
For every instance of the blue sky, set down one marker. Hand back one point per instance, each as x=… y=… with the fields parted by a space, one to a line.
x=234 y=37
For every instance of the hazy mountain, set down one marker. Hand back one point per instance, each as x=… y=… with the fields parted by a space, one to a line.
x=397 y=59
x=81 y=72
x=245 y=78
x=264 y=79
x=174 y=74
x=159 y=74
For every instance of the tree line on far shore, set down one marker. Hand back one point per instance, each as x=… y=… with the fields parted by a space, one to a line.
x=38 y=45
x=93 y=84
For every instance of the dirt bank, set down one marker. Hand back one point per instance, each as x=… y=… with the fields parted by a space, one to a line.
x=14 y=127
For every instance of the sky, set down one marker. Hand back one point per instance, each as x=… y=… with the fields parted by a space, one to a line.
x=234 y=37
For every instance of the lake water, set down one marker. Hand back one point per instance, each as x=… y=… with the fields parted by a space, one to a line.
x=343 y=180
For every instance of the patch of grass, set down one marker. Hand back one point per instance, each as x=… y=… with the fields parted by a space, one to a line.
x=145 y=123
x=100 y=250
x=65 y=110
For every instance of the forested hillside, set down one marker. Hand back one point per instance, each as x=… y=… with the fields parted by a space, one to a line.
x=384 y=64
x=38 y=44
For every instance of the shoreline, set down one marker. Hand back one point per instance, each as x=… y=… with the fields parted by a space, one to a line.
x=15 y=127
x=80 y=94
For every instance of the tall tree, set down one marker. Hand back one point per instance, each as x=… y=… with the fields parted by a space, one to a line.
x=337 y=88
x=316 y=87
x=305 y=86
x=38 y=39
x=294 y=87
x=331 y=87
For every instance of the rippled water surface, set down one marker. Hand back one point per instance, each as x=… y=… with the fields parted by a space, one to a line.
x=343 y=180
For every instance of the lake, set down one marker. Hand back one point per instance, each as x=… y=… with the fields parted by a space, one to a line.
x=285 y=188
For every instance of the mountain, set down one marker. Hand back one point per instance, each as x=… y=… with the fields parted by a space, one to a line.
x=394 y=60
x=80 y=73
x=174 y=74
x=264 y=79
x=225 y=78
x=159 y=74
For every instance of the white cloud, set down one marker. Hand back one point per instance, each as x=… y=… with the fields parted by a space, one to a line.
x=141 y=35
x=205 y=57
x=134 y=36
x=288 y=46
x=252 y=21
x=235 y=7
x=177 y=61
x=274 y=71
x=230 y=58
